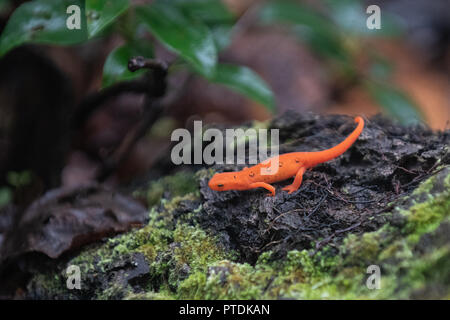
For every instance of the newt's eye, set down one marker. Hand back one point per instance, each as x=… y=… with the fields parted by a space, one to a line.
x=220 y=185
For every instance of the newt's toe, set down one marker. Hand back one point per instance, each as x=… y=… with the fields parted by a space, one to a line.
x=289 y=189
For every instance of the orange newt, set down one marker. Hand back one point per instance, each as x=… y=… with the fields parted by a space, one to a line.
x=290 y=164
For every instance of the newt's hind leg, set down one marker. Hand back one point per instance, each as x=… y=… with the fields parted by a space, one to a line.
x=263 y=185
x=297 y=181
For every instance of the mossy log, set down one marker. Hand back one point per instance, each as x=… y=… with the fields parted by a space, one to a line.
x=384 y=203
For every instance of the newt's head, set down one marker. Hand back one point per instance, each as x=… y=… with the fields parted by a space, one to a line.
x=228 y=181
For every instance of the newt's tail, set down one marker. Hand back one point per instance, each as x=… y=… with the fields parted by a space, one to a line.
x=336 y=151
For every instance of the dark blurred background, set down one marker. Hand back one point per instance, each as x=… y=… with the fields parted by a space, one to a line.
x=42 y=86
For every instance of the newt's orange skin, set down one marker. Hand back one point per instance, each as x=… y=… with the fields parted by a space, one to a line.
x=290 y=164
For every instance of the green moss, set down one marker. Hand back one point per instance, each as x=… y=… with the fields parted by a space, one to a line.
x=425 y=216
x=115 y=291
x=447 y=182
x=363 y=249
x=397 y=250
x=178 y=184
x=49 y=284
x=288 y=278
x=204 y=174
x=425 y=187
x=432 y=268
x=186 y=262
x=224 y=280
x=196 y=248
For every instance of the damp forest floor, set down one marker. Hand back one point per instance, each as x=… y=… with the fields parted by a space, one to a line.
x=381 y=206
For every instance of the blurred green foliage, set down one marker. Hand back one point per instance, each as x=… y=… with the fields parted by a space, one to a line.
x=311 y=26
x=5 y=196
x=100 y=14
x=245 y=81
x=337 y=31
x=188 y=37
x=16 y=181
x=396 y=103
x=197 y=30
x=42 y=21
x=116 y=66
x=19 y=179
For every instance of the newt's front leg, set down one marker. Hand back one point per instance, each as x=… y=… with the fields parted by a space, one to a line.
x=297 y=181
x=263 y=185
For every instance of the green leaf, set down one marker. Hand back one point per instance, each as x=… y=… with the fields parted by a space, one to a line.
x=395 y=102
x=42 y=21
x=101 y=13
x=208 y=11
x=19 y=179
x=214 y=14
x=380 y=68
x=245 y=81
x=222 y=35
x=187 y=37
x=116 y=65
x=312 y=27
x=5 y=196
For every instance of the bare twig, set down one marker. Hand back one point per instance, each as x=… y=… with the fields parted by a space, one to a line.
x=152 y=84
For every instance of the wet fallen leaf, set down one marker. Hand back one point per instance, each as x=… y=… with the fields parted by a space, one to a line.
x=66 y=218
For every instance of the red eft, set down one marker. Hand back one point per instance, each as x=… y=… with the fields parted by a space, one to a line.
x=290 y=165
